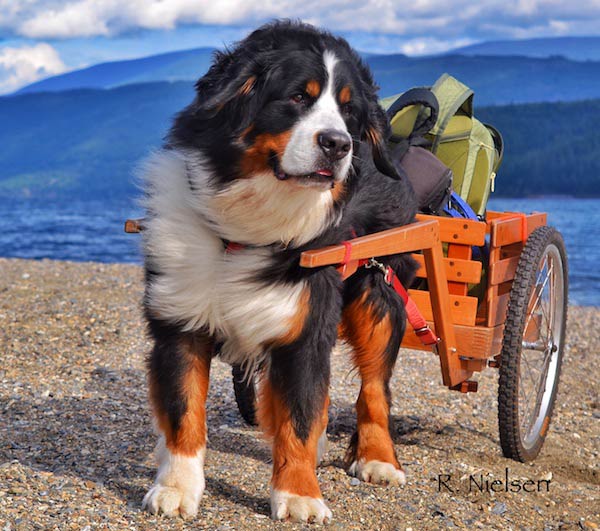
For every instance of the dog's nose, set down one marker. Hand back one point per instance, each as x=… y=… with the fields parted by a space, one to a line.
x=335 y=144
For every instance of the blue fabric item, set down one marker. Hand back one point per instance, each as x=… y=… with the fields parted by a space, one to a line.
x=457 y=207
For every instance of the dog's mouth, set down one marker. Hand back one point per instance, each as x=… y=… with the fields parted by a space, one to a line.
x=323 y=178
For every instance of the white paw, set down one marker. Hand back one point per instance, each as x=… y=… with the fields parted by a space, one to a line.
x=377 y=472
x=171 y=501
x=285 y=505
x=179 y=484
x=322 y=446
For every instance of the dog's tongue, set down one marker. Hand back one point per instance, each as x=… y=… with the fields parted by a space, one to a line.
x=324 y=173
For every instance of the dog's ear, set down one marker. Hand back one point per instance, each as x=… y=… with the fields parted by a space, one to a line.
x=229 y=79
x=377 y=132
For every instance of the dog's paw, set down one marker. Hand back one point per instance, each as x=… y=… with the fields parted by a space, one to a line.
x=171 y=501
x=285 y=505
x=377 y=472
x=179 y=483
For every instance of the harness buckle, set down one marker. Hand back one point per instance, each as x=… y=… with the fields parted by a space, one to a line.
x=386 y=270
x=427 y=336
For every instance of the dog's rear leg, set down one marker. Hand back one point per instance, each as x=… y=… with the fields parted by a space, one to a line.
x=373 y=323
x=179 y=368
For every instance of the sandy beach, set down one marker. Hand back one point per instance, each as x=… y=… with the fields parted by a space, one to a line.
x=76 y=438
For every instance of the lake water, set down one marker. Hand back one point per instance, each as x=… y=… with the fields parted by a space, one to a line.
x=93 y=231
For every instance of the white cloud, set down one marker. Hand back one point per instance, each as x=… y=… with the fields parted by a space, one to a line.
x=423 y=25
x=45 y=19
x=26 y=64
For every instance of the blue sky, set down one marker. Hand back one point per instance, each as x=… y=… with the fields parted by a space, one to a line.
x=40 y=38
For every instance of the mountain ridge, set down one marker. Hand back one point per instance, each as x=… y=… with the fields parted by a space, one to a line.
x=580 y=48
x=496 y=79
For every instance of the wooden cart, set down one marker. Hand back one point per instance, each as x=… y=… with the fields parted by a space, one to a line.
x=505 y=308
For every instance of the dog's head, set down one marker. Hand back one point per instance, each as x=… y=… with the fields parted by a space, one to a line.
x=290 y=101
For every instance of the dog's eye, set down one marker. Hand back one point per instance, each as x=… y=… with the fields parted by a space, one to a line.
x=299 y=97
x=347 y=109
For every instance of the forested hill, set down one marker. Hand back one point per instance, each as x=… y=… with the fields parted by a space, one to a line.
x=85 y=143
x=549 y=148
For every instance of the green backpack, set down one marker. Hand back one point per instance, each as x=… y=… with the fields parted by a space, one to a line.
x=441 y=119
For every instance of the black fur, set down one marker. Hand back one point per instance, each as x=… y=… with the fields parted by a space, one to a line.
x=279 y=58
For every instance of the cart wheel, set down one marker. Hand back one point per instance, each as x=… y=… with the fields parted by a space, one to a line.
x=533 y=343
x=245 y=394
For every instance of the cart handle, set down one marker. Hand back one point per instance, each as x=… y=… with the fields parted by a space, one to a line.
x=408 y=238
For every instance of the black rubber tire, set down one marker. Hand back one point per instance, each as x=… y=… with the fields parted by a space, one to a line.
x=245 y=395
x=511 y=438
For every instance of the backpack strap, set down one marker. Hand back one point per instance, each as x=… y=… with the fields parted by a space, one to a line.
x=498 y=143
x=454 y=96
x=416 y=96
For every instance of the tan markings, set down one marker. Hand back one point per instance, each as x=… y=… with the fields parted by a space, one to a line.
x=191 y=434
x=297 y=322
x=345 y=95
x=338 y=191
x=294 y=462
x=369 y=339
x=373 y=136
x=372 y=412
x=256 y=157
x=247 y=86
x=313 y=88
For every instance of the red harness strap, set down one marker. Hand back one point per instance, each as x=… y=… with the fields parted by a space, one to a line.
x=234 y=246
x=413 y=314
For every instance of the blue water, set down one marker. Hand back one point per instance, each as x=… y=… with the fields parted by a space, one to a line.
x=74 y=230
x=93 y=230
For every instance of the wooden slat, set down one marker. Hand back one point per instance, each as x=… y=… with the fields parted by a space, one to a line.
x=507 y=230
x=463 y=309
x=399 y=240
x=491 y=292
x=503 y=270
x=492 y=214
x=454 y=230
x=463 y=252
x=477 y=342
x=457 y=270
x=497 y=306
x=514 y=249
x=452 y=372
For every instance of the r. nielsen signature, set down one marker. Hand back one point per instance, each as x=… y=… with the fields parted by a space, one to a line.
x=489 y=483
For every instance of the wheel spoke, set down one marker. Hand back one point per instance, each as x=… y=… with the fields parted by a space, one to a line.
x=538 y=291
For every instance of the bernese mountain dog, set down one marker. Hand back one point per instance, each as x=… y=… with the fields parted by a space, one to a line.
x=282 y=150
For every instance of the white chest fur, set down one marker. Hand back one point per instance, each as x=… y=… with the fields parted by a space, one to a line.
x=201 y=286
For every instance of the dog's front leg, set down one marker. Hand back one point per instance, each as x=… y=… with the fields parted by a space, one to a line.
x=293 y=410
x=295 y=492
x=178 y=374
